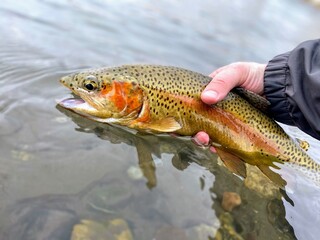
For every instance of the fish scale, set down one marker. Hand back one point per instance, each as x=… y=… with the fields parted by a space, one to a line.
x=170 y=97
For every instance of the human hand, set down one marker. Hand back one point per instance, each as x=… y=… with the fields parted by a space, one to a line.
x=248 y=75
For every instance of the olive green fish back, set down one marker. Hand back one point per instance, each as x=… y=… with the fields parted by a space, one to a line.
x=173 y=80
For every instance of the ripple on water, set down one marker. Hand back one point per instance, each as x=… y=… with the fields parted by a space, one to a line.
x=9 y=125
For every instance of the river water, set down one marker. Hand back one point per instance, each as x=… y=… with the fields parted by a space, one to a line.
x=64 y=177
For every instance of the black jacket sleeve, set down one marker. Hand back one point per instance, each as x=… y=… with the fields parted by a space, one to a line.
x=292 y=85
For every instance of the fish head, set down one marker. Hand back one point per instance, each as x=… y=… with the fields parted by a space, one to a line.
x=103 y=95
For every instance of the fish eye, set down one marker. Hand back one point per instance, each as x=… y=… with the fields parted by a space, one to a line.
x=90 y=83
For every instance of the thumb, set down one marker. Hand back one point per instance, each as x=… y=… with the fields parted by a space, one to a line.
x=220 y=85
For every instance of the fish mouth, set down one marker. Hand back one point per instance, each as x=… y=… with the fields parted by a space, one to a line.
x=81 y=100
x=85 y=105
x=79 y=104
x=83 y=108
x=75 y=104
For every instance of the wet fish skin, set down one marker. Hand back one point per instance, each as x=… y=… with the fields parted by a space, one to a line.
x=167 y=99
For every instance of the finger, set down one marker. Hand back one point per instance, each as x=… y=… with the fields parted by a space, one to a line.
x=201 y=139
x=220 y=85
x=214 y=73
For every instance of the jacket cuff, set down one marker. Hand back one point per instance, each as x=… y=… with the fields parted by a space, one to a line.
x=275 y=77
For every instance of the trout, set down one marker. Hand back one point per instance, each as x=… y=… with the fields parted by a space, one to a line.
x=165 y=99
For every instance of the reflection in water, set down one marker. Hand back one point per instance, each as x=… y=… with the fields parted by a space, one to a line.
x=55 y=181
x=112 y=197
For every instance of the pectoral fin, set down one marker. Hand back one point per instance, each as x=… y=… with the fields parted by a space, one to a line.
x=232 y=162
x=165 y=125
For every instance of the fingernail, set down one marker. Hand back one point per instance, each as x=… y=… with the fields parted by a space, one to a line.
x=211 y=94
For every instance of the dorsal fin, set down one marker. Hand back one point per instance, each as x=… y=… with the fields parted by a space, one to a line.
x=254 y=99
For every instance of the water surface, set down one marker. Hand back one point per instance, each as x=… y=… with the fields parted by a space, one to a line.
x=58 y=169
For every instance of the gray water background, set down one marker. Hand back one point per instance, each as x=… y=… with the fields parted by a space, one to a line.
x=43 y=153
